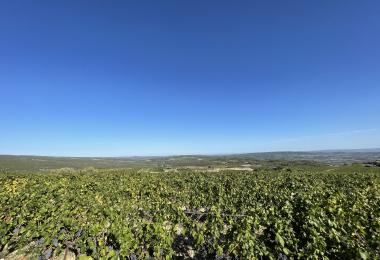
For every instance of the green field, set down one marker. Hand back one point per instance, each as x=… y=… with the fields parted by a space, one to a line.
x=293 y=212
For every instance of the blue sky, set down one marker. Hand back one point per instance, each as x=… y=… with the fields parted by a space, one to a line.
x=114 y=78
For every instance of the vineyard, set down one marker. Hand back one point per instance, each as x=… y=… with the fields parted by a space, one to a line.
x=131 y=214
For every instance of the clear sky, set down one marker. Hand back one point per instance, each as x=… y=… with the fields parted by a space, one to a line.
x=114 y=78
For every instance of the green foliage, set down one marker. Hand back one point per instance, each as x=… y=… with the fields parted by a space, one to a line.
x=126 y=213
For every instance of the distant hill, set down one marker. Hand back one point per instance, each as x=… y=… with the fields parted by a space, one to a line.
x=326 y=156
x=41 y=163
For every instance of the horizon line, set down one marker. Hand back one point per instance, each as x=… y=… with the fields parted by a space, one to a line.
x=197 y=154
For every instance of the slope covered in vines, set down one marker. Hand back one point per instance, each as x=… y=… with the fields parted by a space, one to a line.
x=288 y=214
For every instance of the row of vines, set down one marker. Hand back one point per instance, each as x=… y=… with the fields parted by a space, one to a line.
x=127 y=214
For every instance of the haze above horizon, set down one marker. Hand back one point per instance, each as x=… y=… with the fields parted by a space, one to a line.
x=122 y=78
